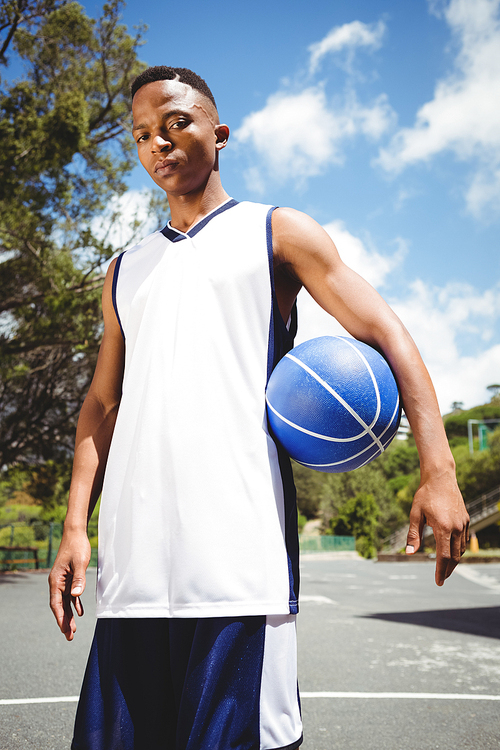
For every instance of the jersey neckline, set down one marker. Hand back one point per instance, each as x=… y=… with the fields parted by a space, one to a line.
x=175 y=235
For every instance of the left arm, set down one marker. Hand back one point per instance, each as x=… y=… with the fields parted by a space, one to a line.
x=305 y=255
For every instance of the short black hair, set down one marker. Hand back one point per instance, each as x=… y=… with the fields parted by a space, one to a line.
x=165 y=73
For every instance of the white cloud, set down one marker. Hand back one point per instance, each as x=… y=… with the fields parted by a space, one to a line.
x=464 y=115
x=349 y=36
x=439 y=319
x=127 y=219
x=484 y=191
x=442 y=320
x=301 y=132
x=368 y=262
x=298 y=135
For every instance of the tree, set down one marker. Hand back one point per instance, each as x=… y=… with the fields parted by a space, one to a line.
x=358 y=517
x=311 y=486
x=479 y=472
x=64 y=153
x=494 y=389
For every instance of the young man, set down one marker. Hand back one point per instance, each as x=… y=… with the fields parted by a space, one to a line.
x=198 y=571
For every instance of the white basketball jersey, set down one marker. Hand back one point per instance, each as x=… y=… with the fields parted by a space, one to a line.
x=198 y=515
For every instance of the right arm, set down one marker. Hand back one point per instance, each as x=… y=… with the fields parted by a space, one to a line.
x=93 y=438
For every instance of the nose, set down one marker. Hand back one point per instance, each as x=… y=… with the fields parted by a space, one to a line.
x=160 y=144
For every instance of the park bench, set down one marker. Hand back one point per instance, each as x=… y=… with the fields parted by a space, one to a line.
x=15 y=556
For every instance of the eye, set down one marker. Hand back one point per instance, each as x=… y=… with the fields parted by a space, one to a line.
x=180 y=123
x=142 y=138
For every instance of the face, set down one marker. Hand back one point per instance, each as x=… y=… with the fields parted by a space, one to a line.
x=178 y=136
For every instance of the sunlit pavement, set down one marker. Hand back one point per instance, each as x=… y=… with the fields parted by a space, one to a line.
x=387 y=660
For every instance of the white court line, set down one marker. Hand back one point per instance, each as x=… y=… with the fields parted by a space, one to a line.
x=390 y=696
x=482 y=579
x=418 y=696
x=21 y=701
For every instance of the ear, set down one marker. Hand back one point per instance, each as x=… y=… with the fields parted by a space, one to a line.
x=221 y=136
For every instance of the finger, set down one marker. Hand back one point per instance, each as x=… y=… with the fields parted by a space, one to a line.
x=77 y=603
x=69 y=624
x=442 y=574
x=445 y=564
x=457 y=542
x=57 y=585
x=56 y=605
x=78 y=582
x=464 y=539
x=452 y=564
x=414 y=538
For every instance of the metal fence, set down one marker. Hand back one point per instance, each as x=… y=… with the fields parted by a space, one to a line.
x=35 y=545
x=327 y=543
x=31 y=545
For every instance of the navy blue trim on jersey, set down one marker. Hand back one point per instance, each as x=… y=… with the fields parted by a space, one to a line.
x=280 y=337
x=291 y=527
x=113 y=289
x=174 y=235
x=294 y=745
x=198 y=227
x=280 y=342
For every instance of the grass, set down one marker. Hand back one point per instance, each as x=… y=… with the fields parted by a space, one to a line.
x=483 y=553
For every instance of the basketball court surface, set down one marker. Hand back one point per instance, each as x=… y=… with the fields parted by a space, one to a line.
x=386 y=659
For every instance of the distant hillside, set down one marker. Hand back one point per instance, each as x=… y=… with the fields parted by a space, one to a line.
x=456 y=424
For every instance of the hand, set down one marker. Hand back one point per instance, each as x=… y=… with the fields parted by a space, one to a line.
x=439 y=504
x=67 y=582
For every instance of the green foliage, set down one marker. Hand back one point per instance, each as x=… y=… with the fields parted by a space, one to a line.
x=358 y=517
x=391 y=481
x=19 y=513
x=479 y=472
x=456 y=424
x=302 y=520
x=65 y=149
x=376 y=479
x=49 y=485
x=23 y=536
x=13 y=482
x=311 y=487
x=399 y=460
x=34 y=492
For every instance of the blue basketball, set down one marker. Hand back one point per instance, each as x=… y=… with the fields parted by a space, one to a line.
x=333 y=403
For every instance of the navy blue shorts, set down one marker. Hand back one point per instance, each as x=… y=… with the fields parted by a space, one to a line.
x=191 y=684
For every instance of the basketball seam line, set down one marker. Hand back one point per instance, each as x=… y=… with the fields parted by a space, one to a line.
x=315 y=434
x=368 y=429
x=372 y=375
x=351 y=458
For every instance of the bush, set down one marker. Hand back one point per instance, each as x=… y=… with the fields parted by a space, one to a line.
x=358 y=517
x=365 y=547
x=302 y=520
x=24 y=536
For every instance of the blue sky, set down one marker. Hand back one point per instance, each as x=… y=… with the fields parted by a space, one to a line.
x=380 y=119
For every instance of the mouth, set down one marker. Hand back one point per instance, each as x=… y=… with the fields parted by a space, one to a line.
x=165 y=166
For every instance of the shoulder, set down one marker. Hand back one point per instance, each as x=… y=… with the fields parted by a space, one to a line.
x=297 y=236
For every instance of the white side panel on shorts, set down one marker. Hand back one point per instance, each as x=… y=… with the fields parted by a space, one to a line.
x=280 y=721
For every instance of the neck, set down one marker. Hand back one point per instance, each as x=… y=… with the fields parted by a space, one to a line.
x=187 y=210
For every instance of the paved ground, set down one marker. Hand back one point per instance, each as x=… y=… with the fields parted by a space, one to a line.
x=365 y=627
x=390 y=629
